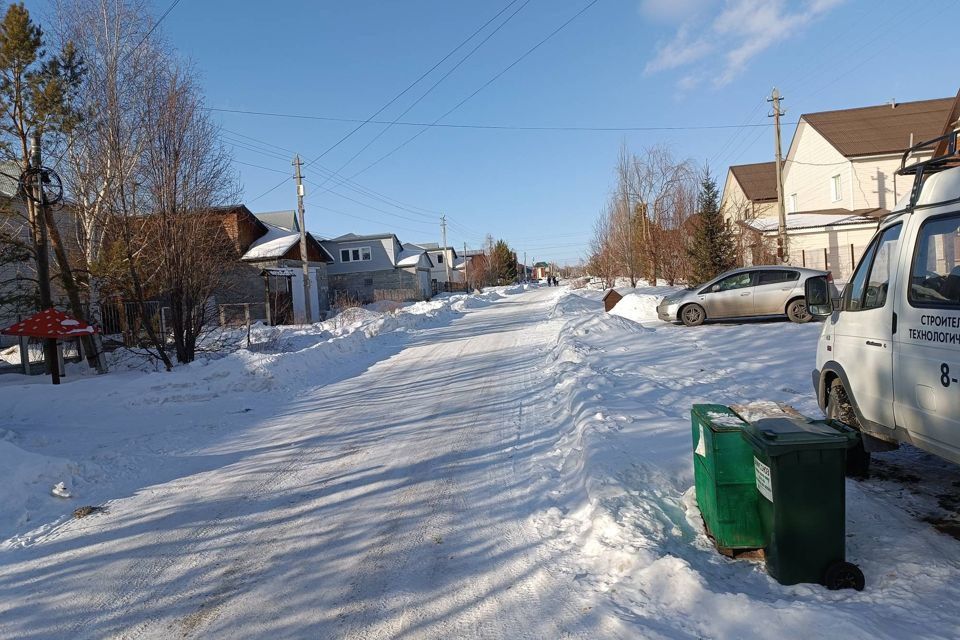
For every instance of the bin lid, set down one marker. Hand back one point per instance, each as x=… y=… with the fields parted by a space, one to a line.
x=718 y=417
x=776 y=436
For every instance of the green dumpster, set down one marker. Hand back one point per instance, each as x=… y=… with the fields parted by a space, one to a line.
x=723 y=475
x=799 y=468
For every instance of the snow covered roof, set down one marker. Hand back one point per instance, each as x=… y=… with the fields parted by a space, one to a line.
x=413 y=258
x=273 y=244
x=813 y=220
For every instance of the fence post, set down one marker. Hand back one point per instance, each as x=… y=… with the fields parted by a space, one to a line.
x=246 y=316
x=826 y=260
x=223 y=316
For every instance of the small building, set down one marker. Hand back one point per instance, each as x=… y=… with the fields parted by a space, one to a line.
x=367 y=268
x=610 y=299
x=269 y=267
x=541 y=270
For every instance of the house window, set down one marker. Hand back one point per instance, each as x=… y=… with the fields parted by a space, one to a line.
x=355 y=255
x=792 y=203
x=439 y=258
x=835 y=193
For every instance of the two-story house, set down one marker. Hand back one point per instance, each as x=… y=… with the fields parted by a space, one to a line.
x=839 y=177
x=378 y=267
x=445 y=260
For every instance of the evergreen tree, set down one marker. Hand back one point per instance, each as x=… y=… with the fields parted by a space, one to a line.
x=505 y=261
x=712 y=250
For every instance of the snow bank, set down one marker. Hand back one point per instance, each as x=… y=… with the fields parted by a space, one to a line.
x=637 y=307
x=623 y=515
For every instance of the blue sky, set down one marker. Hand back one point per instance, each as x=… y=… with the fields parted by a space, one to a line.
x=622 y=63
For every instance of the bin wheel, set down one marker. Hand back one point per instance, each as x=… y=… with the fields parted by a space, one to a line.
x=844 y=575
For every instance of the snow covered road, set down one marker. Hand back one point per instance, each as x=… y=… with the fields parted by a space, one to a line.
x=390 y=504
x=511 y=465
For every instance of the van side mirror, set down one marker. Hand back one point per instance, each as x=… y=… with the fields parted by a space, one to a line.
x=817 y=291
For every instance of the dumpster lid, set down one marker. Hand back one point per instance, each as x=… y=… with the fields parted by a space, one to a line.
x=781 y=435
x=718 y=417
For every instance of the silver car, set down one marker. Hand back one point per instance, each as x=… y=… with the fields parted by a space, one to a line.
x=742 y=293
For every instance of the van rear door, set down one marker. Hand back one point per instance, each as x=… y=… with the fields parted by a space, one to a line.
x=864 y=329
x=927 y=360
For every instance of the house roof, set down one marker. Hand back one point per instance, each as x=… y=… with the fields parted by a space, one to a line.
x=283 y=219
x=273 y=244
x=412 y=258
x=350 y=237
x=882 y=129
x=276 y=242
x=814 y=219
x=758 y=181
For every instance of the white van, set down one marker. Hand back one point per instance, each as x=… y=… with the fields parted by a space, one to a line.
x=888 y=359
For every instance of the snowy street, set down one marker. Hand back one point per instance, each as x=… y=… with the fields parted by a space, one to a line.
x=511 y=465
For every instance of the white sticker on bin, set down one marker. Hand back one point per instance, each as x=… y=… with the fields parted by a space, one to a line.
x=701 y=449
x=764 y=485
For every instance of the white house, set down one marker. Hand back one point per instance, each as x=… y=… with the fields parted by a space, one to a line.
x=441 y=257
x=839 y=177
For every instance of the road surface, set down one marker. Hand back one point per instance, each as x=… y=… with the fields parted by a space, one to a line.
x=392 y=504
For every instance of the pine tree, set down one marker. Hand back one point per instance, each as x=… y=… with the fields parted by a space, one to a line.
x=712 y=250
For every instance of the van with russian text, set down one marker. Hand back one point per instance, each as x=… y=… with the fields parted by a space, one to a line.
x=888 y=358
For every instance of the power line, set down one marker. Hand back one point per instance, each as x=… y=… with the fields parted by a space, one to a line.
x=483 y=86
x=504 y=127
x=433 y=86
x=398 y=96
x=152 y=29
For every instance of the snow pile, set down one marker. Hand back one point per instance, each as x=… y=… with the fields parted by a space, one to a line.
x=26 y=479
x=637 y=307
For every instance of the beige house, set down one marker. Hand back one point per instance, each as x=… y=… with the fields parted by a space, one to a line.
x=839 y=178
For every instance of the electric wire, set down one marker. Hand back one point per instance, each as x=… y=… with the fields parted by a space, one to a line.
x=396 y=97
x=481 y=87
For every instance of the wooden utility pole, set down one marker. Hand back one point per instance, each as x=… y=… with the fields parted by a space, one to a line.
x=782 y=250
x=307 y=307
x=443 y=250
x=36 y=209
x=525 y=266
x=466 y=263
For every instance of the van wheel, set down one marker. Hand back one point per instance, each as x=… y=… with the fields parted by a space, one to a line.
x=840 y=408
x=693 y=315
x=797 y=311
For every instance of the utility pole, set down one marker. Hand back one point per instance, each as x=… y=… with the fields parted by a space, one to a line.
x=466 y=263
x=443 y=251
x=525 y=278
x=782 y=250
x=307 y=307
x=38 y=217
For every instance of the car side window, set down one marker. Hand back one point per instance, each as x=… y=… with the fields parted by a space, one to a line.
x=884 y=262
x=868 y=289
x=935 y=272
x=776 y=276
x=736 y=281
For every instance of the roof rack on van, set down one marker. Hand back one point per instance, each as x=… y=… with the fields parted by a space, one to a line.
x=943 y=156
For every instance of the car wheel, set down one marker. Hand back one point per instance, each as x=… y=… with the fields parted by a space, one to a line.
x=840 y=408
x=693 y=315
x=797 y=311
